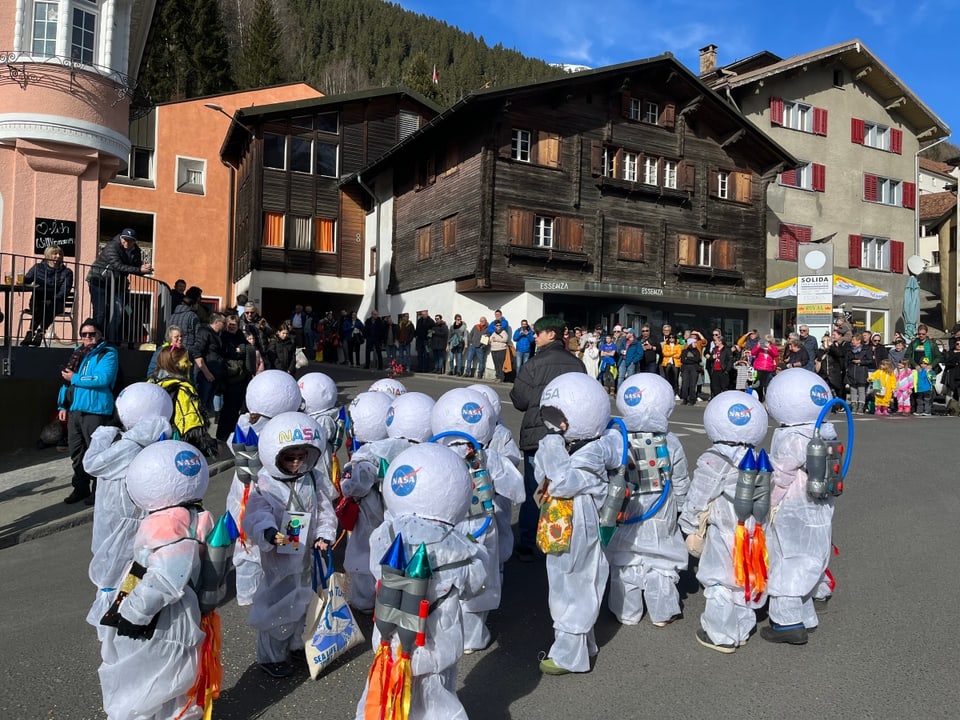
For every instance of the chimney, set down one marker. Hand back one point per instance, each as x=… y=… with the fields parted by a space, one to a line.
x=708 y=59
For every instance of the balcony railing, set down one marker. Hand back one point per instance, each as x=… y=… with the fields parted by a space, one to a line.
x=133 y=309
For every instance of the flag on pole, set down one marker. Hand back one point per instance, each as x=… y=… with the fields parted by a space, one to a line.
x=436 y=77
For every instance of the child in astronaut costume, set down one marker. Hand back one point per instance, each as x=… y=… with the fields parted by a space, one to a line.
x=572 y=462
x=426 y=491
x=152 y=677
x=735 y=421
x=799 y=529
x=503 y=444
x=389 y=386
x=467 y=411
x=646 y=557
x=386 y=425
x=319 y=394
x=268 y=394
x=291 y=446
x=144 y=410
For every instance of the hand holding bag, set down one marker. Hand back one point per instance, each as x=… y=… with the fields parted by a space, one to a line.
x=330 y=629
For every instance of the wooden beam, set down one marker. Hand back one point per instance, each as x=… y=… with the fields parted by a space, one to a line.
x=691 y=106
x=733 y=137
x=896 y=102
x=863 y=72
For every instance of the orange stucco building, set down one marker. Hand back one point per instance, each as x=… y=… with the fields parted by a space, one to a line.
x=175 y=192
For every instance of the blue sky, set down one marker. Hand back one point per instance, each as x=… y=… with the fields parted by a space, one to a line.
x=916 y=40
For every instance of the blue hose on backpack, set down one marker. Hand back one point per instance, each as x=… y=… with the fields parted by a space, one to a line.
x=816 y=430
x=623 y=461
x=477 y=448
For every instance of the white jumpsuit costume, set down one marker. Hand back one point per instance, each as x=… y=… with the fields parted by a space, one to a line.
x=467 y=411
x=151 y=679
x=734 y=421
x=144 y=411
x=646 y=557
x=280 y=603
x=800 y=530
x=426 y=514
x=270 y=393
x=577 y=578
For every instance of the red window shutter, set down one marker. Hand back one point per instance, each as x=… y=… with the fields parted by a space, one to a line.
x=871 y=190
x=910 y=195
x=789 y=178
x=896 y=141
x=804 y=234
x=896 y=256
x=819 y=177
x=856 y=131
x=776 y=111
x=855 y=250
x=788 y=243
x=819 y=121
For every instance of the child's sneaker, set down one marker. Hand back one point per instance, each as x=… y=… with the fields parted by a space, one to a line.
x=705 y=640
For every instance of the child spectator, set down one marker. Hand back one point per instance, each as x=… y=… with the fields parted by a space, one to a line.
x=744 y=373
x=859 y=358
x=287 y=497
x=608 y=364
x=885 y=384
x=282 y=351
x=923 y=379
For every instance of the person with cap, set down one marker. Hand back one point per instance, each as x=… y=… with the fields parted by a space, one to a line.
x=630 y=357
x=108 y=279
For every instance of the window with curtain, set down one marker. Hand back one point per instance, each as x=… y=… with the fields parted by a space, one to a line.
x=326 y=232
x=302 y=228
x=273 y=229
x=45 y=28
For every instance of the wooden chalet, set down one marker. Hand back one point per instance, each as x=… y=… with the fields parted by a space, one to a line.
x=628 y=182
x=299 y=234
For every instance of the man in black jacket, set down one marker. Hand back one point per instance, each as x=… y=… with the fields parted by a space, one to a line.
x=207 y=355
x=423 y=334
x=551 y=360
x=108 y=282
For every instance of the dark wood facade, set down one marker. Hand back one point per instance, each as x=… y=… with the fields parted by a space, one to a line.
x=633 y=175
x=331 y=137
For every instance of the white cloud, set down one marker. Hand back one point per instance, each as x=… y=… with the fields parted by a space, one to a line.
x=878 y=11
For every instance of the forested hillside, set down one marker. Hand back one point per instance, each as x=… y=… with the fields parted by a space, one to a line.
x=201 y=47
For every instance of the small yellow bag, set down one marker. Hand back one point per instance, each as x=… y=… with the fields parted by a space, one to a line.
x=555 y=528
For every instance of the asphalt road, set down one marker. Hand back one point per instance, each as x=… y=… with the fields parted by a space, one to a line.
x=887 y=645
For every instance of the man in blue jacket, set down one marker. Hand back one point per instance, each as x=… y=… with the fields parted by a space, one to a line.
x=86 y=402
x=523 y=341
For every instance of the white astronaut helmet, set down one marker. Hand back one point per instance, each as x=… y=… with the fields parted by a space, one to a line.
x=367 y=413
x=466 y=411
x=429 y=481
x=646 y=390
x=735 y=417
x=796 y=396
x=319 y=392
x=583 y=402
x=273 y=392
x=490 y=394
x=291 y=430
x=167 y=473
x=143 y=400
x=408 y=417
x=389 y=386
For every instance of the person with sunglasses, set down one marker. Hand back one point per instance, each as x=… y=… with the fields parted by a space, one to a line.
x=86 y=402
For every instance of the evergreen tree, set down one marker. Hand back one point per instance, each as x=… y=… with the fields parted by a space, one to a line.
x=259 y=63
x=418 y=75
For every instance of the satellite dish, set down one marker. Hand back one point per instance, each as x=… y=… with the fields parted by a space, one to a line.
x=916 y=265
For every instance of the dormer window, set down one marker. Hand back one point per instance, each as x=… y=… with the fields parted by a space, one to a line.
x=81 y=40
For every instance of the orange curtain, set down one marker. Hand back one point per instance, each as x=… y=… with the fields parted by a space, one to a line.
x=325 y=235
x=273 y=229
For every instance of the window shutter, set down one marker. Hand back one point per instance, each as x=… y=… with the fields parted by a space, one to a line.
x=618 y=164
x=804 y=234
x=506 y=141
x=789 y=178
x=910 y=195
x=629 y=242
x=688 y=176
x=520 y=227
x=450 y=234
x=855 y=251
x=776 y=111
x=431 y=170
x=686 y=249
x=856 y=131
x=819 y=121
x=871 y=190
x=819 y=177
x=668 y=116
x=423 y=243
x=625 y=104
x=724 y=255
x=787 y=247
x=896 y=141
x=548 y=149
x=714 y=182
x=570 y=231
x=596 y=158
x=896 y=256
x=743 y=187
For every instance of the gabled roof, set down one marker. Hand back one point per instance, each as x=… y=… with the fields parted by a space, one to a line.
x=480 y=98
x=243 y=117
x=866 y=68
x=935 y=166
x=936 y=206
